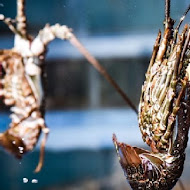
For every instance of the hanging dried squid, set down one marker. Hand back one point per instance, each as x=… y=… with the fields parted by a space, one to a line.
x=22 y=77
x=163 y=110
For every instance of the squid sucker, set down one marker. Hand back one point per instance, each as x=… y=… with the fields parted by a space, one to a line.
x=164 y=113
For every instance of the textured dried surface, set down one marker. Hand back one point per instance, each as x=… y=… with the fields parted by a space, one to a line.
x=164 y=106
x=159 y=102
x=17 y=92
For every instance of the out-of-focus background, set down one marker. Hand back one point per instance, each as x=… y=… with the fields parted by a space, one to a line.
x=83 y=110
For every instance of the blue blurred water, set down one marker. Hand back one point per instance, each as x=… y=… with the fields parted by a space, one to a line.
x=91 y=128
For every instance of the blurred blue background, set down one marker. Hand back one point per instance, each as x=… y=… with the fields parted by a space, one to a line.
x=83 y=110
